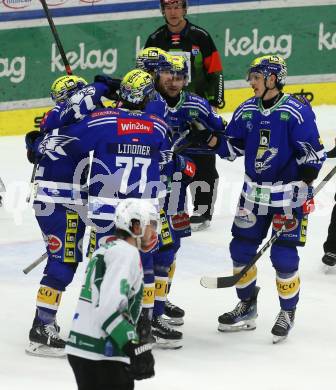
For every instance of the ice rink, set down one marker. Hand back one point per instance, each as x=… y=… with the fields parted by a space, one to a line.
x=209 y=359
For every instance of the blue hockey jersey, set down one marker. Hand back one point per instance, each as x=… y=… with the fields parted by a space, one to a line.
x=88 y=99
x=277 y=143
x=128 y=148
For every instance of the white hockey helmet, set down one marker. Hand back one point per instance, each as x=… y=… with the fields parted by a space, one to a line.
x=133 y=210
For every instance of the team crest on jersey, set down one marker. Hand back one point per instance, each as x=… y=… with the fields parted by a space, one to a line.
x=53 y=145
x=244 y=218
x=264 y=154
x=193 y=113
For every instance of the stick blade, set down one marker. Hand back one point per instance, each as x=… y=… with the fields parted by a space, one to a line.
x=219 y=281
x=209 y=281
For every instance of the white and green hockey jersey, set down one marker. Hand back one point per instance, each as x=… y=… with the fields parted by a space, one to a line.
x=109 y=304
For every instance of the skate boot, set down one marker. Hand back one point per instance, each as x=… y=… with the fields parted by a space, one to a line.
x=242 y=317
x=144 y=327
x=329 y=259
x=45 y=341
x=174 y=314
x=199 y=222
x=283 y=324
x=165 y=336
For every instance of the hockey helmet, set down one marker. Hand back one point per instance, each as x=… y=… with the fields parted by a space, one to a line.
x=133 y=211
x=136 y=86
x=65 y=86
x=179 y=66
x=268 y=65
x=152 y=59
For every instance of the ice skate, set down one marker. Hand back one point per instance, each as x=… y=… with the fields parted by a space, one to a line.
x=242 y=317
x=174 y=314
x=165 y=336
x=283 y=324
x=45 y=341
x=329 y=261
x=199 y=222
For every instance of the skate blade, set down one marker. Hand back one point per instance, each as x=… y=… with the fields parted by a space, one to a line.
x=167 y=344
x=36 y=349
x=197 y=227
x=245 y=325
x=174 y=321
x=278 y=339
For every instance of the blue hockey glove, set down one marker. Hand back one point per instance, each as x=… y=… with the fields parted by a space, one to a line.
x=303 y=200
x=32 y=141
x=199 y=134
x=113 y=85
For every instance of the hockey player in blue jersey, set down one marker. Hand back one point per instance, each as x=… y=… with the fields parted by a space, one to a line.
x=184 y=107
x=283 y=152
x=56 y=197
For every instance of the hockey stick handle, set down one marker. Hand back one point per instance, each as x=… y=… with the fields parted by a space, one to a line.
x=229 y=281
x=31 y=184
x=56 y=37
x=35 y=263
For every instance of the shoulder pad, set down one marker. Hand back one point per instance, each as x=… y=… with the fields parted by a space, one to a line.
x=301 y=98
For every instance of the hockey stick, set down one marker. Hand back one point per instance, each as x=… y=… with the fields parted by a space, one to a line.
x=56 y=37
x=67 y=69
x=35 y=263
x=229 y=281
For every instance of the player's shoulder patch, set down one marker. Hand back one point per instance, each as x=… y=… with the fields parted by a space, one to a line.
x=195 y=98
x=157 y=119
x=102 y=113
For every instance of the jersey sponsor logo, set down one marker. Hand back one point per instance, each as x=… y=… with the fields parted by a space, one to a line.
x=134 y=126
x=180 y=221
x=54 y=243
x=195 y=50
x=279 y=220
x=104 y=113
x=53 y=145
x=244 y=218
x=106 y=240
x=157 y=119
x=247 y=115
x=284 y=116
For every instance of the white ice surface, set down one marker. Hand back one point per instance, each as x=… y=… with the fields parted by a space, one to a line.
x=209 y=359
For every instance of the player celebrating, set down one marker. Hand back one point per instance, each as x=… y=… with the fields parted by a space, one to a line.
x=103 y=348
x=56 y=195
x=283 y=155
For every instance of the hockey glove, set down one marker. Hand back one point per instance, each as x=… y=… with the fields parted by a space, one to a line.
x=31 y=140
x=186 y=166
x=199 y=134
x=113 y=85
x=142 y=360
x=303 y=200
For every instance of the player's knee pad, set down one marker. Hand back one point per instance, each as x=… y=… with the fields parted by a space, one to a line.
x=161 y=288
x=288 y=286
x=284 y=259
x=148 y=295
x=242 y=251
x=58 y=275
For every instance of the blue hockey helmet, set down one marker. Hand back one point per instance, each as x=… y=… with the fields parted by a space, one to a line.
x=268 y=65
